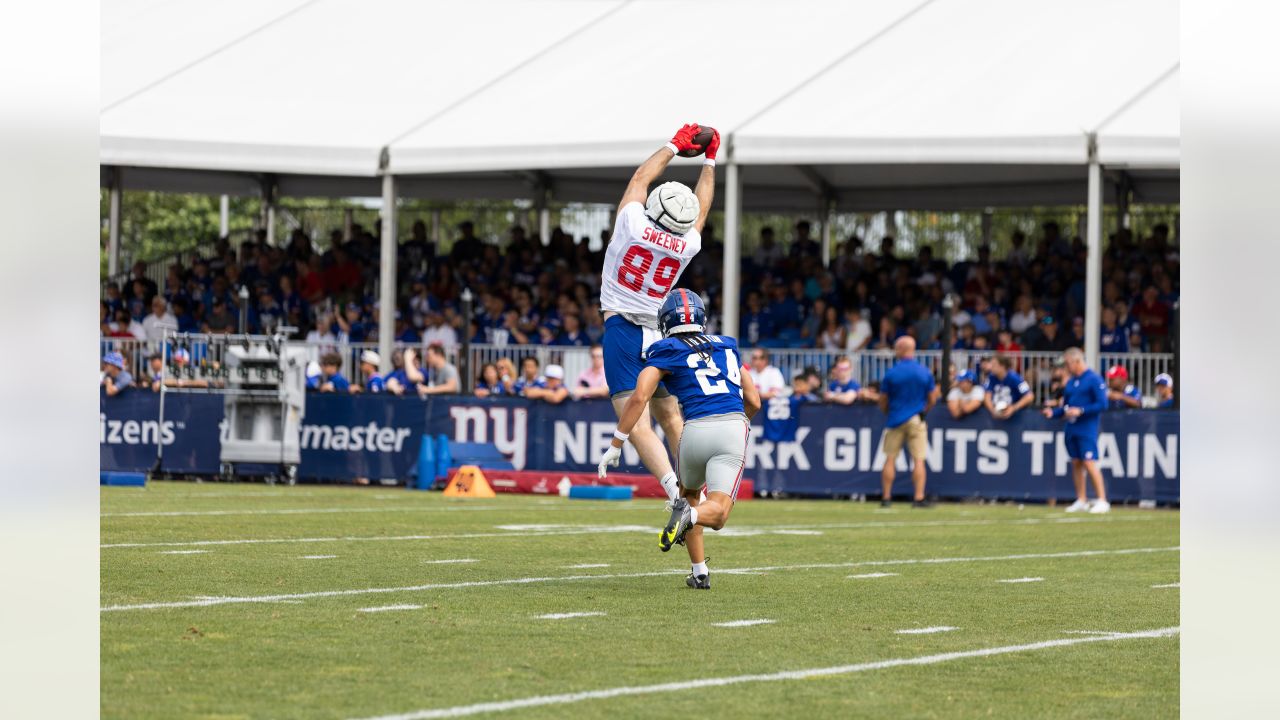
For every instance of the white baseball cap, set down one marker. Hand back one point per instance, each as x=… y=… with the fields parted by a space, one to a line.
x=371 y=357
x=555 y=371
x=1164 y=379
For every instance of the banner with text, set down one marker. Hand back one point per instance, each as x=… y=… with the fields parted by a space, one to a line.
x=837 y=449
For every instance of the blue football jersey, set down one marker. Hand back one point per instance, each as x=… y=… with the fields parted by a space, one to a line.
x=1009 y=390
x=782 y=416
x=707 y=382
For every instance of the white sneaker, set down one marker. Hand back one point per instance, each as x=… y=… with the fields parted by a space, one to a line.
x=1078 y=506
x=1100 y=507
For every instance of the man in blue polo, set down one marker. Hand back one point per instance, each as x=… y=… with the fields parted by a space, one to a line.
x=907 y=393
x=1084 y=399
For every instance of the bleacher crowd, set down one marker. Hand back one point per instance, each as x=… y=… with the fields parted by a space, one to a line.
x=528 y=292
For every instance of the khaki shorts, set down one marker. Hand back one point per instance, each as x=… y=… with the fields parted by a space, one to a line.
x=912 y=432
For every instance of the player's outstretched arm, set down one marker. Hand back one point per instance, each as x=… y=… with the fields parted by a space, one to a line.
x=706 y=187
x=646 y=384
x=651 y=169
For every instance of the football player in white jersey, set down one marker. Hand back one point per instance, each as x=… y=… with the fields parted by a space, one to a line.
x=655 y=237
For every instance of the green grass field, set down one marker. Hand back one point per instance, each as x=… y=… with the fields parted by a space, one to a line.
x=242 y=601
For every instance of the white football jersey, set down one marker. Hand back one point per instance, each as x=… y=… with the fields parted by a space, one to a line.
x=643 y=262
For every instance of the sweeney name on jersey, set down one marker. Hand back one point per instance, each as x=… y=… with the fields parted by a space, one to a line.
x=705 y=376
x=643 y=262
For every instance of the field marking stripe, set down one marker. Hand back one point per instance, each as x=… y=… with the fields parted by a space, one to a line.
x=384 y=608
x=926 y=630
x=744 y=623
x=607 y=693
x=585 y=530
x=607 y=576
x=386 y=538
x=567 y=615
x=1011 y=581
x=865 y=576
x=1170 y=585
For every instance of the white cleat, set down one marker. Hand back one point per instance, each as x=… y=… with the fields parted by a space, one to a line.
x=1100 y=507
x=1078 y=506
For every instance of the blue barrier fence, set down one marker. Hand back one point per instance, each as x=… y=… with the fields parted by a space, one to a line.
x=837 y=452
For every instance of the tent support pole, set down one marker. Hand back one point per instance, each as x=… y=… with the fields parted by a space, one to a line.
x=732 y=249
x=113 y=225
x=1093 y=273
x=224 y=216
x=544 y=214
x=387 y=274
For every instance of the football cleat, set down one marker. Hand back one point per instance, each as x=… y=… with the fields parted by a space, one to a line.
x=1099 y=507
x=1078 y=506
x=698 y=582
x=677 y=525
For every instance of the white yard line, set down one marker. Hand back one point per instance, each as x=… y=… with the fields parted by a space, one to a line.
x=552 y=530
x=389 y=538
x=585 y=566
x=602 y=576
x=317 y=557
x=926 y=630
x=457 y=561
x=607 y=693
x=384 y=608
x=1170 y=585
x=181 y=552
x=868 y=576
x=1022 y=580
x=796 y=532
x=744 y=623
x=567 y=615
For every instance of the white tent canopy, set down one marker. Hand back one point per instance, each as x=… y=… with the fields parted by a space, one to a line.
x=853 y=105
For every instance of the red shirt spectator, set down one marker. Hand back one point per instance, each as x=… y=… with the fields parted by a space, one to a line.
x=344 y=275
x=1153 y=314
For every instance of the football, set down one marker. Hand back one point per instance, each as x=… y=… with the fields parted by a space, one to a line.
x=703 y=138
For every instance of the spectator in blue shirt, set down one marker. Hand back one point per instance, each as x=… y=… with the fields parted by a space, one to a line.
x=1164 y=391
x=1084 y=398
x=529 y=377
x=907 y=393
x=1007 y=392
x=757 y=323
x=1121 y=395
x=1114 y=337
x=115 y=379
x=331 y=379
x=370 y=361
x=842 y=388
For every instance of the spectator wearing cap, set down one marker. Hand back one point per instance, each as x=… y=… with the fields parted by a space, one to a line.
x=370 y=361
x=160 y=320
x=966 y=396
x=351 y=328
x=1164 y=391
x=1121 y=395
x=907 y=393
x=591 y=382
x=1057 y=384
x=1006 y=391
x=768 y=379
x=553 y=390
x=442 y=376
x=331 y=379
x=115 y=379
x=1045 y=336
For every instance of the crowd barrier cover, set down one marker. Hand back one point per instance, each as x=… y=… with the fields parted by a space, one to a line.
x=837 y=451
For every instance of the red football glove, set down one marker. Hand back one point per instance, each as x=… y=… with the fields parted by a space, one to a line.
x=683 y=139
x=714 y=146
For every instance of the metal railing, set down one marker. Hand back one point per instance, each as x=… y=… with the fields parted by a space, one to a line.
x=869 y=365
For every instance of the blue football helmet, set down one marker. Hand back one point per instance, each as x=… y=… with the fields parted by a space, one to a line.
x=682 y=312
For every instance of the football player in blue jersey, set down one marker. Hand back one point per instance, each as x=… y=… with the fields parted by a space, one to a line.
x=717 y=399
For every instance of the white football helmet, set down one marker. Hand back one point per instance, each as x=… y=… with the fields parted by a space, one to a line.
x=673 y=206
